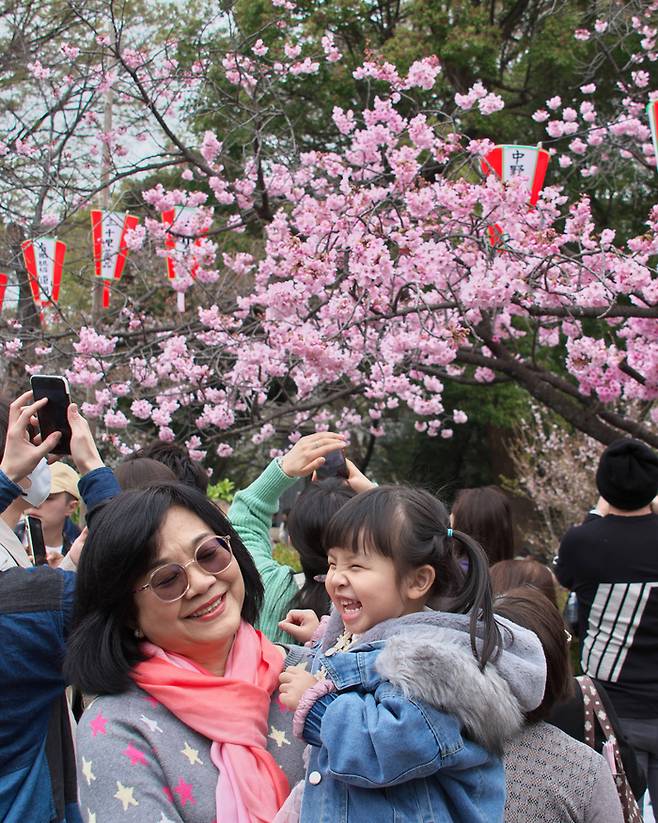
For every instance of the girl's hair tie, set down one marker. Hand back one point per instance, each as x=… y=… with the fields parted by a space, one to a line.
x=449 y=532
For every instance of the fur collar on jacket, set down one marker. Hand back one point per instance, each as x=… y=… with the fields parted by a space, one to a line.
x=428 y=656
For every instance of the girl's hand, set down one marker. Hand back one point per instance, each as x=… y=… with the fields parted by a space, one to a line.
x=293 y=682
x=357 y=480
x=300 y=624
x=308 y=453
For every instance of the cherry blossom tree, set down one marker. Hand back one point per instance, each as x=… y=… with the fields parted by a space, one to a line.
x=553 y=469
x=340 y=286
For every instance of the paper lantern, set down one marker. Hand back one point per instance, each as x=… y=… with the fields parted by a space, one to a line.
x=44 y=261
x=528 y=162
x=652 y=114
x=4 y=279
x=179 y=220
x=108 y=230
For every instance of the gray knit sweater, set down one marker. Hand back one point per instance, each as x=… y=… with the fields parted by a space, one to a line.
x=551 y=777
x=138 y=762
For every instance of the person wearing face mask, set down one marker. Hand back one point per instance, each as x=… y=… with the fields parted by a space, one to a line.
x=56 y=511
x=37 y=765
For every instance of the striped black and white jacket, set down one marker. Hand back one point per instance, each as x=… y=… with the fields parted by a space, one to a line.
x=612 y=565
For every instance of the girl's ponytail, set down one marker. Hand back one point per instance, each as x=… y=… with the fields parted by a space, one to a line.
x=475 y=597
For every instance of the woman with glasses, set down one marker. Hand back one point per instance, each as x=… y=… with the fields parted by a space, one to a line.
x=187 y=725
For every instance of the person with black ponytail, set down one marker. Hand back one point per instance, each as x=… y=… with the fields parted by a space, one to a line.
x=412 y=687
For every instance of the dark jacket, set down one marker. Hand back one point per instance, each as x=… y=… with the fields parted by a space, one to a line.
x=37 y=767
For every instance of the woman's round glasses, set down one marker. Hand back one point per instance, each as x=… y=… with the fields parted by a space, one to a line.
x=171 y=582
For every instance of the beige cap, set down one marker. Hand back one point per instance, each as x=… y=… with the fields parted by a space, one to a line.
x=64 y=479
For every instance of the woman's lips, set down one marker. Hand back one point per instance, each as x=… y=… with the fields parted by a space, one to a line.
x=210 y=609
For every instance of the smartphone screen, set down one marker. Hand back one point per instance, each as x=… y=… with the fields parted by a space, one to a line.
x=334 y=466
x=52 y=417
x=35 y=540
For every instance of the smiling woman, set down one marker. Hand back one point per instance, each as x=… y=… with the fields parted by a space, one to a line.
x=188 y=712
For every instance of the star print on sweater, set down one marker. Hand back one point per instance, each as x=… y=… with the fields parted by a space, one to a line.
x=98 y=724
x=142 y=757
x=125 y=795
x=134 y=755
x=279 y=736
x=191 y=754
x=87 y=772
x=184 y=791
x=152 y=724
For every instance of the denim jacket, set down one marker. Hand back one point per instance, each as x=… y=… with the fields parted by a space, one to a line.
x=414 y=730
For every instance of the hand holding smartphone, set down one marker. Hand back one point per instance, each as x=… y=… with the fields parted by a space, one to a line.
x=53 y=416
x=35 y=540
x=334 y=466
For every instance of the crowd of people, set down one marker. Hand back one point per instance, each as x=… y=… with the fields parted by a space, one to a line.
x=163 y=666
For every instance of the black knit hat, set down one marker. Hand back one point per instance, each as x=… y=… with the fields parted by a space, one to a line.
x=627 y=476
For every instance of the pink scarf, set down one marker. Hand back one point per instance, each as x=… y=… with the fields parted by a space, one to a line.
x=232 y=711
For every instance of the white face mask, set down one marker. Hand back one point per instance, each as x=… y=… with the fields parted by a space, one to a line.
x=40 y=488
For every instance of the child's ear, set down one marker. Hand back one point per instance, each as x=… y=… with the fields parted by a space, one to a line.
x=419 y=582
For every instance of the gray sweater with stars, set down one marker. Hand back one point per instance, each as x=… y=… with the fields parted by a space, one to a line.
x=138 y=762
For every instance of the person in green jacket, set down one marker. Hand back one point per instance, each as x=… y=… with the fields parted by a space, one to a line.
x=251 y=515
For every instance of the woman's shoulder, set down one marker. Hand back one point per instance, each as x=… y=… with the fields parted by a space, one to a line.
x=551 y=776
x=132 y=712
x=551 y=740
x=570 y=768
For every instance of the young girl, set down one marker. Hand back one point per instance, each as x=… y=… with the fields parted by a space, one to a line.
x=412 y=689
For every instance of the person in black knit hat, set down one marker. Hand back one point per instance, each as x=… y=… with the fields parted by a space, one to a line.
x=627 y=477
x=611 y=563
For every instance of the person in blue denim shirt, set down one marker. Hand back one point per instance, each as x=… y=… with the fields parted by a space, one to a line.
x=413 y=687
x=37 y=766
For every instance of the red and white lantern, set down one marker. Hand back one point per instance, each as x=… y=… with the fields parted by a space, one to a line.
x=4 y=279
x=183 y=235
x=108 y=230
x=44 y=261
x=527 y=162
x=652 y=114
x=507 y=162
x=9 y=291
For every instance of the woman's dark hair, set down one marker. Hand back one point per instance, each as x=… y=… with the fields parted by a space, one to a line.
x=142 y=471
x=187 y=471
x=485 y=513
x=119 y=550
x=523 y=571
x=411 y=527
x=307 y=520
x=528 y=607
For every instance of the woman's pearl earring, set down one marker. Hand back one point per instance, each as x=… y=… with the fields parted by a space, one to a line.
x=138 y=634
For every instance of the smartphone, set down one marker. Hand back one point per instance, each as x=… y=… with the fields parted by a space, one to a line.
x=52 y=417
x=334 y=466
x=35 y=540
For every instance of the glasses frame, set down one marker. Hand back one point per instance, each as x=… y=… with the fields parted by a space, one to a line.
x=224 y=538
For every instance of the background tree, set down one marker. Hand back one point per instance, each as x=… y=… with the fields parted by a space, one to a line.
x=343 y=272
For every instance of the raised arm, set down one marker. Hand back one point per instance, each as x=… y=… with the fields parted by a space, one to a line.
x=251 y=516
